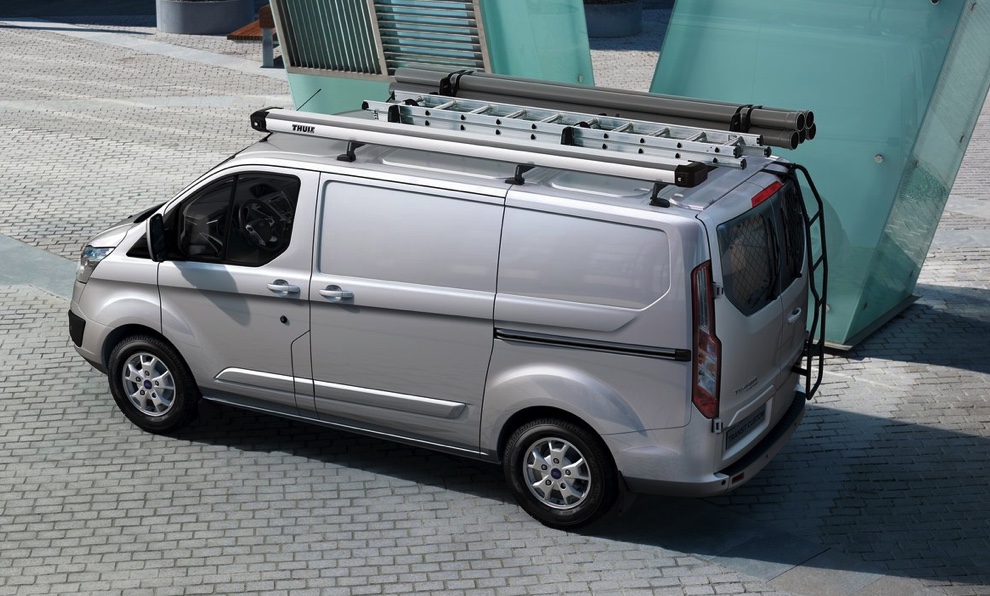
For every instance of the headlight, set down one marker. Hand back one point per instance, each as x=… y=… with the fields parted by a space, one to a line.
x=88 y=260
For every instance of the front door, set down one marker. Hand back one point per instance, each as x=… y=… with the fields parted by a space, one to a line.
x=235 y=288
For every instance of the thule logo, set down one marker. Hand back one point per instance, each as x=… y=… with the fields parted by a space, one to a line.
x=301 y=128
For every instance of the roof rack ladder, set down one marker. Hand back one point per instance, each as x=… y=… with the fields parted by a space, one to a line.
x=708 y=146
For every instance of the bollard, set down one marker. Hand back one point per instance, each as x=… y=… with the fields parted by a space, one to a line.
x=267 y=23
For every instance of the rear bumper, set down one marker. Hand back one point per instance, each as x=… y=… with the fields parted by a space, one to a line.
x=736 y=474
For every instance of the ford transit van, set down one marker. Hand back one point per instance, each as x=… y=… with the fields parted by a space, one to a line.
x=595 y=321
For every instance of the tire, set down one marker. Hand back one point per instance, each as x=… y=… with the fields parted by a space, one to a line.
x=568 y=491
x=152 y=385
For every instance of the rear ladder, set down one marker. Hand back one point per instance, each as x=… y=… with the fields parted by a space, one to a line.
x=812 y=363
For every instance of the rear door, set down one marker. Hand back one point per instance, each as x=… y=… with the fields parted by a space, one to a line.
x=749 y=314
x=759 y=238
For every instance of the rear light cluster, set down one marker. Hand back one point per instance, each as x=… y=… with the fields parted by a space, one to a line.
x=766 y=193
x=707 y=348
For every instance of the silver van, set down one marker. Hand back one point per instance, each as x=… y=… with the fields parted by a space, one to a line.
x=594 y=321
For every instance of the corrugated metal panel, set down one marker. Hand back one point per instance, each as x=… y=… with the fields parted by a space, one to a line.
x=374 y=37
x=437 y=32
x=328 y=35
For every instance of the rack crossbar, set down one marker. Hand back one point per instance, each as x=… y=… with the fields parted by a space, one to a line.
x=680 y=172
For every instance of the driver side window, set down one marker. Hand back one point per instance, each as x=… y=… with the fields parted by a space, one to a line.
x=244 y=219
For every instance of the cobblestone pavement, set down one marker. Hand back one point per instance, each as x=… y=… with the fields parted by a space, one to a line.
x=881 y=491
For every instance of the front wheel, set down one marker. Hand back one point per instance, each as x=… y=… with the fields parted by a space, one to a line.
x=152 y=385
x=560 y=473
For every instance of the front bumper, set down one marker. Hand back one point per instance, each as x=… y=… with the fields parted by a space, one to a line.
x=78 y=327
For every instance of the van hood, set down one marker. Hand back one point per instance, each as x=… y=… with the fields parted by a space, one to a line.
x=112 y=236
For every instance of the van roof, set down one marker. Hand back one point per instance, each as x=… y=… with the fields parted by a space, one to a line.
x=491 y=177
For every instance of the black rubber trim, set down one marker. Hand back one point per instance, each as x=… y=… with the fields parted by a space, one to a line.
x=77 y=327
x=792 y=414
x=450 y=84
x=680 y=355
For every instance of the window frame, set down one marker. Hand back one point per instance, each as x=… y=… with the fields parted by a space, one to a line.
x=174 y=223
x=784 y=213
x=767 y=214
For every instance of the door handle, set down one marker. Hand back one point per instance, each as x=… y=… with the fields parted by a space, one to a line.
x=280 y=286
x=336 y=294
x=794 y=316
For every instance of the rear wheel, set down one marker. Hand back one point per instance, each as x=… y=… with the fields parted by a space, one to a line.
x=560 y=473
x=152 y=385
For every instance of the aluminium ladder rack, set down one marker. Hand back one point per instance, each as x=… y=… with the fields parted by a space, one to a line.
x=779 y=127
x=392 y=133
x=709 y=146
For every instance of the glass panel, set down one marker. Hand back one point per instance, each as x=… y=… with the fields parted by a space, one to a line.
x=896 y=89
x=540 y=39
x=264 y=206
x=748 y=259
x=793 y=232
x=203 y=222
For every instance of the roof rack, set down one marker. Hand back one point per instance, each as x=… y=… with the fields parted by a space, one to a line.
x=571 y=150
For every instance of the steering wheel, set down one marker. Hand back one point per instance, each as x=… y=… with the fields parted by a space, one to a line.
x=262 y=225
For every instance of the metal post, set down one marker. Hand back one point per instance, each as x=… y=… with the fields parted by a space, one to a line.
x=266 y=21
x=267 y=49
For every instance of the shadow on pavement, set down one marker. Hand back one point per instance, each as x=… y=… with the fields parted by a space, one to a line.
x=906 y=500
x=905 y=494
x=898 y=499
x=928 y=333
x=247 y=431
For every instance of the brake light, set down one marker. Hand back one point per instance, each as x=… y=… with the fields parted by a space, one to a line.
x=766 y=193
x=707 y=348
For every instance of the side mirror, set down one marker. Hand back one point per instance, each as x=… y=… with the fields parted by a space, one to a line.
x=156 y=238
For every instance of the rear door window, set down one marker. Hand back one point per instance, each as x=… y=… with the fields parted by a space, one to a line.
x=763 y=250
x=749 y=259
x=793 y=232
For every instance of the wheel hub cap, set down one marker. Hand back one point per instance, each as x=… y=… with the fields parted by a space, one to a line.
x=148 y=384
x=557 y=473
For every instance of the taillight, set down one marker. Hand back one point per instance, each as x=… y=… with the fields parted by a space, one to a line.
x=766 y=193
x=707 y=348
